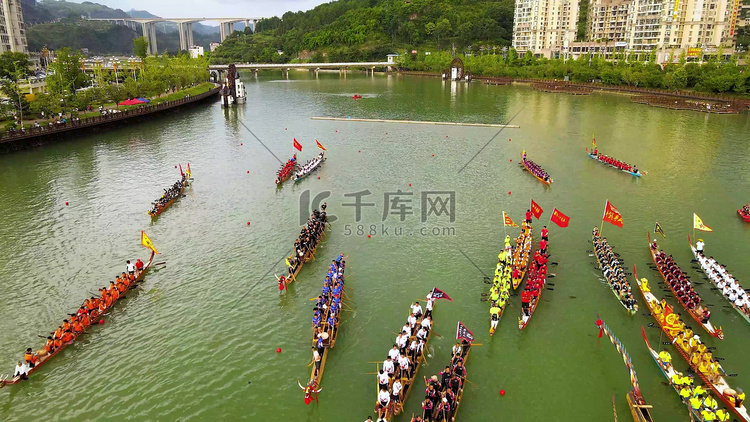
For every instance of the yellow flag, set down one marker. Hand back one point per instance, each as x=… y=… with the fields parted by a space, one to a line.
x=698 y=224
x=146 y=242
x=507 y=221
x=189 y=174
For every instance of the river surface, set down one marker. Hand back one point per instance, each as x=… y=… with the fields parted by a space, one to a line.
x=198 y=341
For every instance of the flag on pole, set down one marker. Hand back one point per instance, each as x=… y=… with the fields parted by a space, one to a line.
x=188 y=170
x=611 y=215
x=559 y=218
x=698 y=224
x=507 y=221
x=439 y=294
x=536 y=209
x=463 y=333
x=593 y=142
x=320 y=145
x=146 y=242
x=297 y=145
x=658 y=230
x=181 y=173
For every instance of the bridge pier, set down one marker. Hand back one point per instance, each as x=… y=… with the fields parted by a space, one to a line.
x=149 y=31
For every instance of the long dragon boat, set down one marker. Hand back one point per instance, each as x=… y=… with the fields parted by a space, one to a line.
x=521 y=254
x=615 y=275
x=702 y=363
x=286 y=170
x=637 y=404
x=606 y=161
x=669 y=372
x=694 y=310
x=309 y=167
x=93 y=316
x=713 y=271
x=535 y=285
x=500 y=290
x=328 y=310
x=159 y=208
x=528 y=164
x=407 y=382
x=295 y=262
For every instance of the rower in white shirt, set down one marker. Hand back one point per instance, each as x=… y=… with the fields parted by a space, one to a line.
x=406 y=328
x=22 y=370
x=699 y=246
x=383 y=379
x=416 y=309
x=388 y=366
x=394 y=353
x=427 y=323
x=428 y=306
x=384 y=398
x=402 y=340
x=403 y=364
x=422 y=334
x=412 y=321
x=396 y=390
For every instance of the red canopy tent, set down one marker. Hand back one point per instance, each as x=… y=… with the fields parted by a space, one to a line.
x=133 y=101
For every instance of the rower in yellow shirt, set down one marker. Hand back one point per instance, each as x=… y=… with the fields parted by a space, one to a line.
x=644 y=285
x=666 y=359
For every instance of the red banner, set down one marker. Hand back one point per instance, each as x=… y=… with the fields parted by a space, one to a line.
x=611 y=215
x=536 y=209
x=559 y=218
x=181 y=173
x=297 y=145
x=463 y=333
x=320 y=145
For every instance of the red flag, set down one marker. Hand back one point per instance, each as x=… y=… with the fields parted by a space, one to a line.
x=463 y=333
x=536 y=209
x=181 y=173
x=439 y=294
x=320 y=145
x=559 y=218
x=599 y=323
x=611 y=215
x=297 y=145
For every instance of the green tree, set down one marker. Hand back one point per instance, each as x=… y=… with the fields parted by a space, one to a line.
x=48 y=104
x=10 y=62
x=140 y=47
x=116 y=93
x=68 y=75
x=443 y=29
x=9 y=87
x=676 y=79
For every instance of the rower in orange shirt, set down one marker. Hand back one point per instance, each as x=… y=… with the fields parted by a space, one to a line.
x=30 y=358
x=85 y=320
x=65 y=325
x=58 y=332
x=50 y=345
x=67 y=336
x=78 y=327
x=58 y=343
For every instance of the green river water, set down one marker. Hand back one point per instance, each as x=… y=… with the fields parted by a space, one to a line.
x=199 y=340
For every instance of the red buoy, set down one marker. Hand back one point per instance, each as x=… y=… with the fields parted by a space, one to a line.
x=511 y=161
x=446 y=136
x=101 y=321
x=248 y=172
x=248 y=223
x=284 y=128
x=175 y=166
x=359 y=151
x=502 y=392
x=508 y=192
x=278 y=350
x=409 y=184
x=240 y=143
x=368 y=236
x=508 y=139
x=66 y=204
x=318 y=177
x=336 y=131
x=433 y=155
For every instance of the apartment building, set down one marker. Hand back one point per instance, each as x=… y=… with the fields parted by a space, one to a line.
x=12 y=33
x=545 y=28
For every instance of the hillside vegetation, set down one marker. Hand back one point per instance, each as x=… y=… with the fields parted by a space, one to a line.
x=369 y=29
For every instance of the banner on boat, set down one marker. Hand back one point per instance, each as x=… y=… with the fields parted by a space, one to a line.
x=559 y=218
x=658 y=230
x=698 y=224
x=320 y=145
x=297 y=145
x=146 y=242
x=612 y=215
x=507 y=221
x=536 y=209
x=181 y=173
x=188 y=172
x=439 y=294
x=463 y=333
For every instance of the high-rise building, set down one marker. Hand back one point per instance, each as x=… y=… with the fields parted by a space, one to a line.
x=544 y=27
x=12 y=32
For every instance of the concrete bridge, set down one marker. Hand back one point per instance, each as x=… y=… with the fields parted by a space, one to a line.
x=184 y=27
x=216 y=70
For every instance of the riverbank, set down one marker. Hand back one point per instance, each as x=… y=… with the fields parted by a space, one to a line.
x=737 y=101
x=36 y=136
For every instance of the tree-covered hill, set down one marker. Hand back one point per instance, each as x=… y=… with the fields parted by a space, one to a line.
x=369 y=29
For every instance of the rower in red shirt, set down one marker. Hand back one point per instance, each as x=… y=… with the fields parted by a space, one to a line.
x=543 y=246
x=528 y=216
x=545 y=233
x=139 y=265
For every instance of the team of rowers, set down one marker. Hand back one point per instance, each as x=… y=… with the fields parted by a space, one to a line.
x=169 y=195
x=698 y=398
x=680 y=284
x=729 y=287
x=501 y=285
x=309 y=166
x=305 y=245
x=443 y=392
x=613 y=272
x=286 y=170
x=326 y=313
x=397 y=373
x=534 y=284
x=536 y=169
x=522 y=250
x=614 y=162
x=746 y=209
x=78 y=322
x=699 y=356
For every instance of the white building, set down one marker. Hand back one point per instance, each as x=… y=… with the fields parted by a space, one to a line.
x=213 y=46
x=196 y=51
x=12 y=32
x=544 y=27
